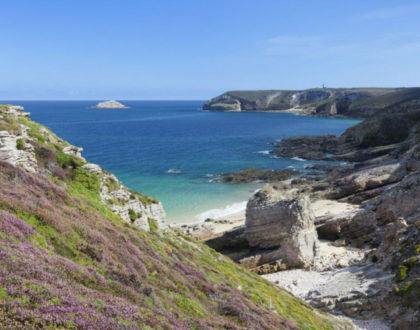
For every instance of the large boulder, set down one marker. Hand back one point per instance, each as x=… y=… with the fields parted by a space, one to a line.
x=284 y=225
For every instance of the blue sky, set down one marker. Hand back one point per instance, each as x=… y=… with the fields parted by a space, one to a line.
x=167 y=49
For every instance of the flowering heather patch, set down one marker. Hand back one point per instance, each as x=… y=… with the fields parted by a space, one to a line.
x=66 y=261
x=14 y=227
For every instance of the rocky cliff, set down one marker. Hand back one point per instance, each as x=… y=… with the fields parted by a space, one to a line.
x=76 y=253
x=340 y=102
x=36 y=149
x=378 y=192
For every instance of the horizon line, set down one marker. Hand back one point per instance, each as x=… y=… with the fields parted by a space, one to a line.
x=115 y=99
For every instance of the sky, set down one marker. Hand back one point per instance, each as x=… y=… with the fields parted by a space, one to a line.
x=197 y=49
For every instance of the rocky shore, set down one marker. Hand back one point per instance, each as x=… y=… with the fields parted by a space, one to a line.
x=348 y=239
x=256 y=175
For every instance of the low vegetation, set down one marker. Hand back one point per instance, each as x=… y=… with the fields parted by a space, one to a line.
x=20 y=144
x=67 y=261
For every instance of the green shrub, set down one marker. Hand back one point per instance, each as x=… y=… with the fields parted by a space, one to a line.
x=153 y=225
x=133 y=215
x=20 y=143
x=111 y=184
x=66 y=161
x=402 y=274
x=89 y=180
x=145 y=199
x=38 y=136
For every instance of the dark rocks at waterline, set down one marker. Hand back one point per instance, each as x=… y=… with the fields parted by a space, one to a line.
x=257 y=175
x=307 y=147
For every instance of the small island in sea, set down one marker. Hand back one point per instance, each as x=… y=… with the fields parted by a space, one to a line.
x=111 y=104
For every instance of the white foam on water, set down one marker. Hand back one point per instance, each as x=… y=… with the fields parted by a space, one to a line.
x=173 y=171
x=222 y=212
x=264 y=152
x=299 y=159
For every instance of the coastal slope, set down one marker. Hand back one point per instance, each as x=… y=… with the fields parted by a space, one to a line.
x=75 y=252
x=353 y=225
x=330 y=102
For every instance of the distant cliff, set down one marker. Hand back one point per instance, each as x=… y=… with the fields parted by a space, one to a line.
x=334 y=102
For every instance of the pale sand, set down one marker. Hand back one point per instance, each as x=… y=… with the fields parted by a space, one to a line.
x=329 y=207
x=300 y=282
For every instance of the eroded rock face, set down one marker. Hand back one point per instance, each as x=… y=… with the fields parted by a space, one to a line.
x=283 y=224
x=400 y=201
x=355 y=227
x=73 y=151
x=367 y=179
x=129 y=205
x=22 y=156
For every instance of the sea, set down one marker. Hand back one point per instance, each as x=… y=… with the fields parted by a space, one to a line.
x=173 y=150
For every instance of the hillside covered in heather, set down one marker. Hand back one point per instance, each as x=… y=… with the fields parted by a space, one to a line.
x=79 y=250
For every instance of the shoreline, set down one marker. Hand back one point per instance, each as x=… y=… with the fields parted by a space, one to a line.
x=203 y=229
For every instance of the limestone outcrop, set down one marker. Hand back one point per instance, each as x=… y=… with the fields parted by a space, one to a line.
x=14 y=137
x=131 y=206
x=15 y=150
x=284 y=224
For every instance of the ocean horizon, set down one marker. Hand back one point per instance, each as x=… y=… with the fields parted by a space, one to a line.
x=145 y=144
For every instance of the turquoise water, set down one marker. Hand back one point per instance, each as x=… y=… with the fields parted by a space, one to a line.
x=139 y=145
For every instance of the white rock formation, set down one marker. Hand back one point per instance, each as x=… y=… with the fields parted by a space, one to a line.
x=24 y=156
x=283 y=224
x=121 y=200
